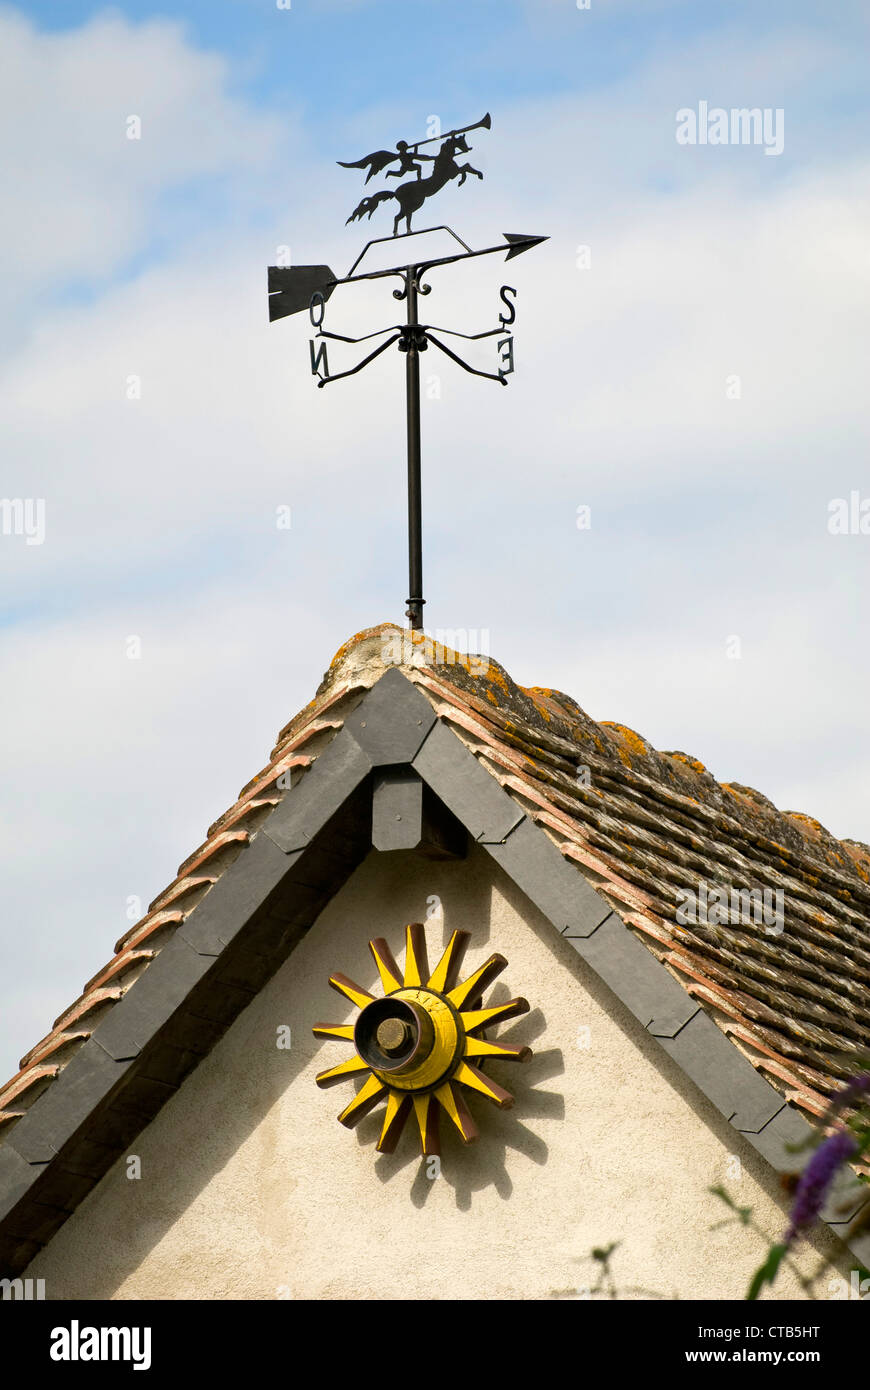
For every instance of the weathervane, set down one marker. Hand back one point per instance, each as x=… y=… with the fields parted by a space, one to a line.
x=293 y=288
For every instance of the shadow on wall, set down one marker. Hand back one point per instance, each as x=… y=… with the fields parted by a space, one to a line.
x=501 y=1130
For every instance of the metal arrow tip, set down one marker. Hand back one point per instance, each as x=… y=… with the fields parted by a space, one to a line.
x=519 y=244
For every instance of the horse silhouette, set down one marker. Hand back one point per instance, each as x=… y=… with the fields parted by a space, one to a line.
x=411 y=196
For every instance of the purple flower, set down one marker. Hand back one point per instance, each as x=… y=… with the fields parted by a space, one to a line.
x=816 y=1179
x=858 y=1086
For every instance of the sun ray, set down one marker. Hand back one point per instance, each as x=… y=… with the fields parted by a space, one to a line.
x=470 y=1076
x=334 y=1030
x=365 y=1100
x=416 y=966
x=498 y=1013
x=354 y=1066
x=397 y=1112
x=477 y=1047
x=355 y=993
x=444 y=976
x=467 y=992
x=426 y=1111
x=391 y=976
x=452 y=1100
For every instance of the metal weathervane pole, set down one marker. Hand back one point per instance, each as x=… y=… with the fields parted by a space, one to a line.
x=412 y=347
x=293 y=288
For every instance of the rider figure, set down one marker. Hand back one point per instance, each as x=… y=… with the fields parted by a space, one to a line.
x=407 y=161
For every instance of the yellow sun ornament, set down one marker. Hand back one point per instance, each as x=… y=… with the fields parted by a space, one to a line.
x=422 y=1042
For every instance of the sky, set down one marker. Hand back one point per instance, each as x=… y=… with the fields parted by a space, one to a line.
x=690 y=381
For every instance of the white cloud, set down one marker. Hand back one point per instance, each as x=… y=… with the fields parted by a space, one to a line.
x=80 y=196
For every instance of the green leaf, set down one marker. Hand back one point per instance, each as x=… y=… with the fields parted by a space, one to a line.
x=767 y=1272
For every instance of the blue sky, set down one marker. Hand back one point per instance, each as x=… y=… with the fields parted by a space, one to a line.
x=339 y=53
x=147 y=259
x=332 y=60
x=340 y=56
x=345 y=69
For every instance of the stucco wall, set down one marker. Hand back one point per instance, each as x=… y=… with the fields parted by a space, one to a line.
x=251 y=1189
